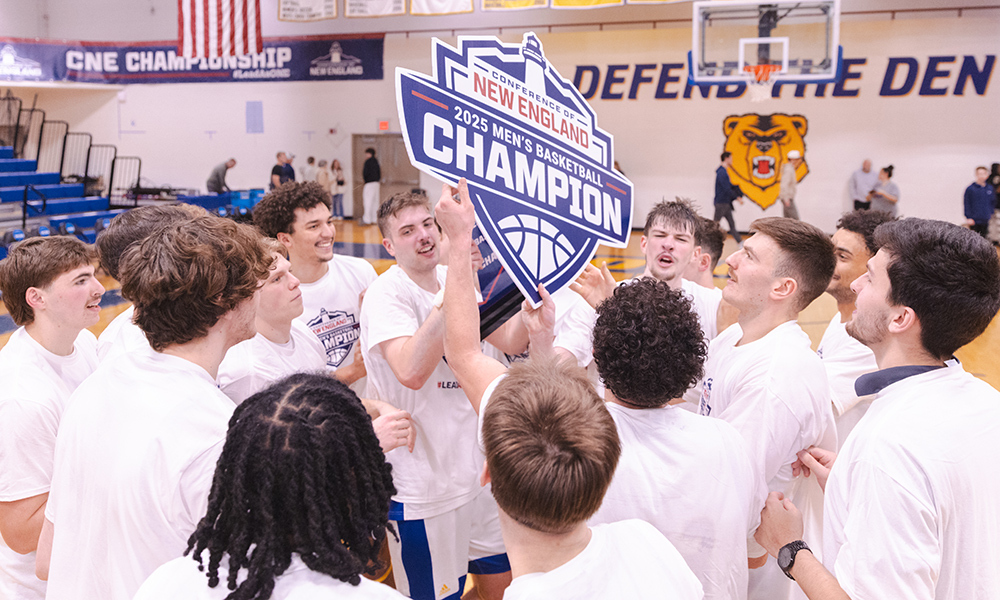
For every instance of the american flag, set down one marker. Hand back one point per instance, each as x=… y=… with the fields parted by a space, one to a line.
x=213 y=28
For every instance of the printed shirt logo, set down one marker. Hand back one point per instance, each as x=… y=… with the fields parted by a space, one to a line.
x=337 y=331
x=11 y=65
x=760 y=145
x=335 y=63
x=540 y=171
x=704 y=406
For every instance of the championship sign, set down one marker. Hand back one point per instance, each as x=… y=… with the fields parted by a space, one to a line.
x=540 y=171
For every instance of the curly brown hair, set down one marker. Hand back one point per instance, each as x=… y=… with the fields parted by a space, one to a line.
x=275 y=213
x=185 y=276
x=648 y=345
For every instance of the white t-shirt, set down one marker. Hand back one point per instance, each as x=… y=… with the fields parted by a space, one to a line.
x=135 y=457
x=121 y=336
x=705 y=302
x=36 y=384
x=331 y=310
x=574 y=327
x=442 y=472
x=254 y=364
x=628 y=559
x=180 y=578
x=774 y=391
x=912 y=501
x=845 y=359
x=689 y=477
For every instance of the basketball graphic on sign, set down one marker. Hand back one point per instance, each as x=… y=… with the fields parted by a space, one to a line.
x=541 y=246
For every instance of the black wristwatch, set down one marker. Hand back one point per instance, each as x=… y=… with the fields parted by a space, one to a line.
x=786 y=556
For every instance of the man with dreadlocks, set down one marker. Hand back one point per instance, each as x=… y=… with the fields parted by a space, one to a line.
x=298 y=506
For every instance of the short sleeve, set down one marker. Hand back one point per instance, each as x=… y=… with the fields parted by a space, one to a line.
x=27 y=448
x=194 y=486
x=388 y=315
x=891 y=548
x=487 y=394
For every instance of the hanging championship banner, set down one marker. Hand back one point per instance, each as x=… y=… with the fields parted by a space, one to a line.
x=540 y=171
x=514 y=4
x=303 y=11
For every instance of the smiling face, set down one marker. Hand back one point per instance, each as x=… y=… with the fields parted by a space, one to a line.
x=413 y=239
x=312 y=236
x=72 y=300
x=751 y=273
x=870 y=322
x=852 y=255
x=668 y=249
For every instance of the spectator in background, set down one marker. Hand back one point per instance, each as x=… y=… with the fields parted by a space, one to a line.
x=279 y=173
x=289 y=170
x=788 y=185
x=885 y=195
x=709 y=240
x=862 y=181
x=216 y=183
x=725 y=193
x=337 y=178
x=309 y=170
x=372 y=174
x=980 y=203
x=323 y=176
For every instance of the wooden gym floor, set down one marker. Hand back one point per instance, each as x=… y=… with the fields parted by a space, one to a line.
x=365 y=242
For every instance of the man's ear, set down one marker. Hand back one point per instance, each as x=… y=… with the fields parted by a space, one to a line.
x=903 y=319
x=784 y=287
x=387 y=244
x=484 y=477
x=35 y=298
x=704 y=261
x=285 y=239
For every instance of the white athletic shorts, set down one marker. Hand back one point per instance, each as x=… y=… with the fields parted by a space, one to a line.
x=433 y=555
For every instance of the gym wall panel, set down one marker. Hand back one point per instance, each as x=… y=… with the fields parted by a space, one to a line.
x=667 y=146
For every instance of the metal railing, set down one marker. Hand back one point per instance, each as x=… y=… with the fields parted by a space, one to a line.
x=25 y=205
x=29 y=133
x=125 y=173
x=52 y=142
x=75 y=156
x=100 y=163
x=10 y=110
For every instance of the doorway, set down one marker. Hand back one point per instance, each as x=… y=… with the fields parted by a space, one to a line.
x=398 y=175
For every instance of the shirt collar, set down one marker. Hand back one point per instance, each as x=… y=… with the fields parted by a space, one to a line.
x=876 y=381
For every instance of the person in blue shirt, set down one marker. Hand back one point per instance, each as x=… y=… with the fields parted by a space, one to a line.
x=725 y=193
x=980 y=203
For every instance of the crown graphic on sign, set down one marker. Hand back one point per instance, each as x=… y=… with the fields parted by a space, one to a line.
x=540 y=171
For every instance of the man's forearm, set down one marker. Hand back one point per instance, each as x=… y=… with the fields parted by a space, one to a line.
x=816 y=582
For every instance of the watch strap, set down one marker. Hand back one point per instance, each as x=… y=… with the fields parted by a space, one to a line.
x=786 y=556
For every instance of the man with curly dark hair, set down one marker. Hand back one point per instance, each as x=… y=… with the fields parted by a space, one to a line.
x=139 y=440
x=298 y=506
x=844 y=357
x=686 y=474
x=298 y=215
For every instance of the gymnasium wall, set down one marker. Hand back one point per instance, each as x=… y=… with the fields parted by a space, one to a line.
x=921 y=96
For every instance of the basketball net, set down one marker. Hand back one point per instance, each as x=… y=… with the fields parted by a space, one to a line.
x=759 y=82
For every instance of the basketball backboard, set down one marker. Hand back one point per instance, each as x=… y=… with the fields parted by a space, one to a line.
x=732 y=37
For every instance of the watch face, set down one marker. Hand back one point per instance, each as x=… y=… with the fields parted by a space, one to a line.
x=784 y=557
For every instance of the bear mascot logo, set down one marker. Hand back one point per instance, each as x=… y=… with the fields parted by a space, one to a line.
x=760 y=145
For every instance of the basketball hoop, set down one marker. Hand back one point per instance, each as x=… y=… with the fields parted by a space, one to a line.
x=759 y=82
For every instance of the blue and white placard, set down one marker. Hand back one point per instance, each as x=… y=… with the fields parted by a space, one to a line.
x=540 y=171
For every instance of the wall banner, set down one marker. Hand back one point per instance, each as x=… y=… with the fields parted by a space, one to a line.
x=283 y=59
x=540 y=171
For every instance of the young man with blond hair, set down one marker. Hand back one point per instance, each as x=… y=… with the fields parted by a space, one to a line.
x=49 y=288
x=138 y=443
